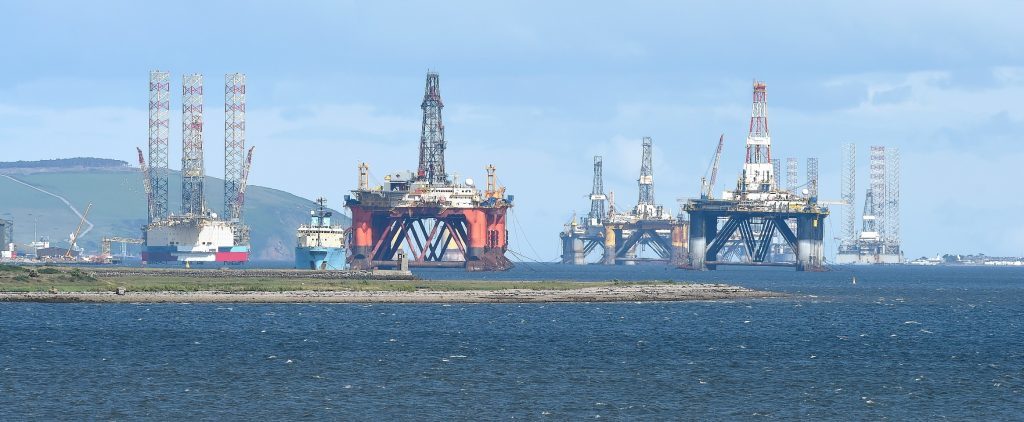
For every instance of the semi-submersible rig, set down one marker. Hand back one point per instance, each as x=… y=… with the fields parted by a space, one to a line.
x=757 y=223
x=427 y=217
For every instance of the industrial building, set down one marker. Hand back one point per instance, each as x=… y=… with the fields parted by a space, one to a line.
x=197 y=234
x=622 y=236
x=758 y=213
x=878 y=241
x=7 y=248
x=442 y=222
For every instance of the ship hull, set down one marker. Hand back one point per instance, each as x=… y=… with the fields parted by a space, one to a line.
x=192 y=239
x=225 y=254
x=313 y=258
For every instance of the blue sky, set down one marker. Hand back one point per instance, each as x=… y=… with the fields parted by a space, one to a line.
x=539 y=88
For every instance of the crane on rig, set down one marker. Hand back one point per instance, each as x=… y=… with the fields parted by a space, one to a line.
x=707 y=186
x=74 y=236
x=243 y=184
x=145 y=180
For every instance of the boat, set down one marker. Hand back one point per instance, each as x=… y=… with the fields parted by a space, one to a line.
x=320 y=244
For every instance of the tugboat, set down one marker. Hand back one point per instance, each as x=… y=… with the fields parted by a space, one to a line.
x=321 y=245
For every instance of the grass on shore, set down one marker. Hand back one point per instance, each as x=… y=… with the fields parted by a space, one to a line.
x=18 y=279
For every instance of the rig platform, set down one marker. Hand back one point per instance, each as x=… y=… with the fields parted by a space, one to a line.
x=757 y=212
x=442 y=223
x=622 y=236
x=714 y=222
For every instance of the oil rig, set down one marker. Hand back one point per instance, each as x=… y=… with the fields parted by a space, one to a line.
x=443 y=223
x=878 y=242
x=623 y=236
x=758 y=213
x=197 y=234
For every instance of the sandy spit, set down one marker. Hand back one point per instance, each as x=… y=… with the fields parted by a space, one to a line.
x=640 y=293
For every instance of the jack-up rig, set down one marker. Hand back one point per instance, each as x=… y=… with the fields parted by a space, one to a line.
x=442 y=222
x=879 y=239
x=757 y=210
x=620 y=236
x=197 y=234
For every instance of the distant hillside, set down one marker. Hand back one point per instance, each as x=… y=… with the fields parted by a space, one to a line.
x=119 y=208
x=63 y=164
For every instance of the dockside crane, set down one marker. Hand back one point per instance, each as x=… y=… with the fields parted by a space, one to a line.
x=78 y=231
x=708 y=186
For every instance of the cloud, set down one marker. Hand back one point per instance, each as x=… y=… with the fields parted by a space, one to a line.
x=30 y=133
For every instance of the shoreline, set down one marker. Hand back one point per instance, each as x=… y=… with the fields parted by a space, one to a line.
x=626 y=293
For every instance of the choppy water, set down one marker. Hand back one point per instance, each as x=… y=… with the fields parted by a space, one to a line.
x=904 y=343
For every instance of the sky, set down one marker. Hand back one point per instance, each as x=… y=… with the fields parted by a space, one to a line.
x=538 y=88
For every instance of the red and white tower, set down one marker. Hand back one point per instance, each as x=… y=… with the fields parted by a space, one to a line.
x=192 y=171
x=758 y=169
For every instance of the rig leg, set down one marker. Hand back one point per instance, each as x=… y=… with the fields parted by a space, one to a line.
x=630 y=255
x=698 y=241
x=678 y=245
x=610 y=235
x=567 y=257
x=572 y=250
x=362 y=240
x=577 y=252
x=809 y=249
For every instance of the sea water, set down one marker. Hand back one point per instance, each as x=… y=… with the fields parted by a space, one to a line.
x=901 y=343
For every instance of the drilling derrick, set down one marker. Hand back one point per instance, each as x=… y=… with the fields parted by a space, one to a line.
x=742 y=227
x=645 y=184
x=597 y=197
x=434 y=221
x=432 y=143
x=157 y=172
x=192 y=171
x=758 y=169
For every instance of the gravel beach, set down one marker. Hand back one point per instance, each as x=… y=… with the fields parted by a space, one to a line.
x=628 y=293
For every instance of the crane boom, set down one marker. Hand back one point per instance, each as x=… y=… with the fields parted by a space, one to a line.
x=714 y=166
x=243 y=183
x=78 y=231
x=145 y=181
x=709 y=185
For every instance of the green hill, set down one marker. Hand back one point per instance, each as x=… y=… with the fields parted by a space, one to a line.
x=119 y=208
